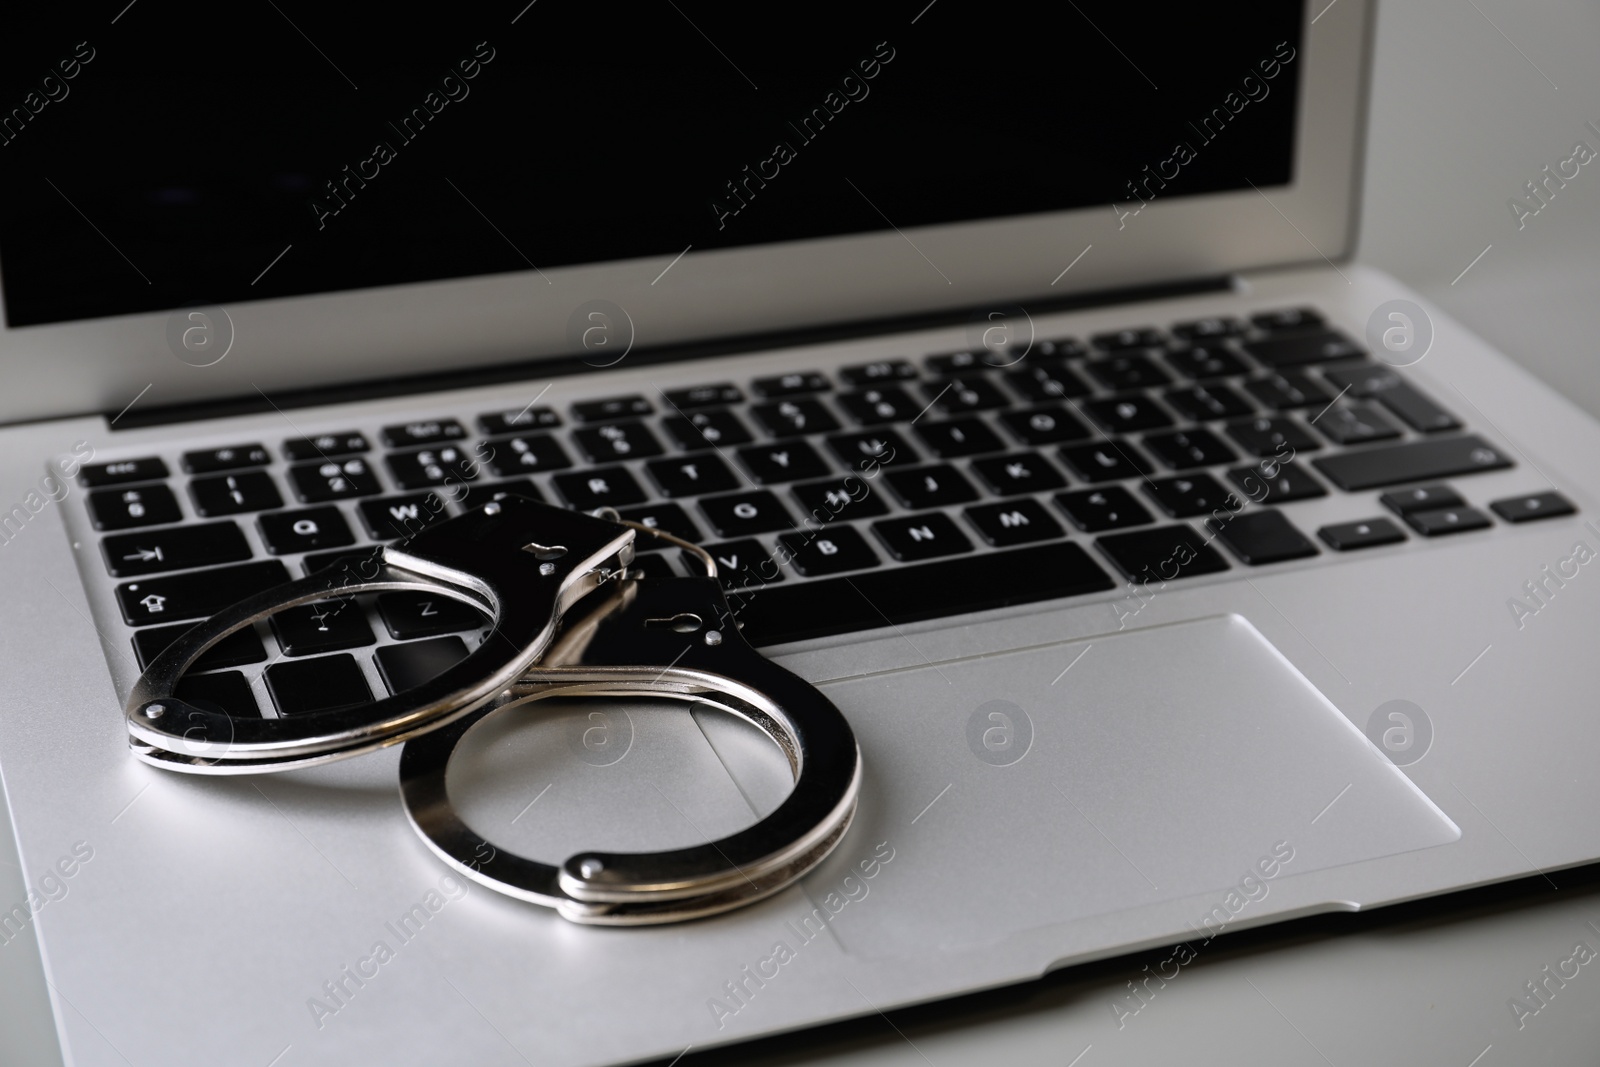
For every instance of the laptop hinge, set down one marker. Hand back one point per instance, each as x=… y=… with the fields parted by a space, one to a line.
x=562 y=366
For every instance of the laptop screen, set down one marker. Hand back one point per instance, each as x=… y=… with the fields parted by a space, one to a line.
x=176 y=156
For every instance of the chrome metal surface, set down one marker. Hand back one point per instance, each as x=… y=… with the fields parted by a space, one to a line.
x=483 y=558
x=655 y=637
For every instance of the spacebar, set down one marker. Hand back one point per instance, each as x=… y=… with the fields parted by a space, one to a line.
x=778 y=613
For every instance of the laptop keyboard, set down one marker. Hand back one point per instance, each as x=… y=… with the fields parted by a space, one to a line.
x=882 y=493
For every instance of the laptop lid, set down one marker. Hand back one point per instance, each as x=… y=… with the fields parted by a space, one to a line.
x=333 y=196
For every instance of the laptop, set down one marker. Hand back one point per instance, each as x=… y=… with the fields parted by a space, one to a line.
x=1177 y=573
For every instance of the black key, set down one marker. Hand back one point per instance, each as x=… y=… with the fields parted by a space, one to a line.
x=362 y=562
x=1191 y=494
x=962 y=362
x=1208 y=329
x=1286 y=391
x=315 y=483
x=228 y=693
x=233 y=457
x=147 y=469
x=1447 y=521
x=196 y=594
x=1262 y=536
x=124 y=509
x=864 y=451
x=847 y=498
x=1096 y=510
x=838 y=549
x=423 y=432
x=1206 y=402
x=1041 y=382
x=1414 y=407
x=740 y=514
x=471 y=496
x=1414 y=461
x=1015 y=522
x=1347 y=536
x=304 y=531
x=703 y=396
x=706 y=429
x=1124 y=414
x=797 y=383
x=526 y=453
x=1272 y=436
x=231 y=494
x=1535 y=506
x=1058 y=349
x=741 y=564
x=304 y=686
x=666 y=517
x=1184 y=449
x=1277 y=483
x=692 y=475
x=1422 y=498
x=601 y=487
x=328 y=626
x=408 y=615
x=870 y=407
x=235 y=650
x=1127 y=372
x=407 y=666
x=326 y=445
x=958 y=437
x=433 y=466
x=1138 y=337
x=1024 y=472
x=1355 y=424
x=654 y=567
x=612 y=408
x=783 y=461
x=1205 y=361
x=498 y=422
x=1298 y=349
x=877 y=372
x=786 y=418
x=1161 y=554
x=918 y=537
x=1105 y=461
x=617 y=440
x=1044 y=425
x=930 y=487
x=392 y=517
x=1287 y=319
x=899 y=595
x=968 y=393
x=174 y=549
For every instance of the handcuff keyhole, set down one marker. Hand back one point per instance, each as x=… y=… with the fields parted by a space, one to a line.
x=685 y=622
x=545 y=551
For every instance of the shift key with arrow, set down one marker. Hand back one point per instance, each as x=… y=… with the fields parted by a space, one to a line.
x=175 y=549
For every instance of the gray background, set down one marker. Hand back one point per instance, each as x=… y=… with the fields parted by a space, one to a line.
x=1470 y=99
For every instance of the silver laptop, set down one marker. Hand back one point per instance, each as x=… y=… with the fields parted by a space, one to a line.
x=1177 y=573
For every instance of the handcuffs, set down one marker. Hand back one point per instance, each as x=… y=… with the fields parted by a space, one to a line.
x=569 y=620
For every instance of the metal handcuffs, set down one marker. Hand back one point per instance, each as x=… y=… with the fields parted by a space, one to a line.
x=569 y=620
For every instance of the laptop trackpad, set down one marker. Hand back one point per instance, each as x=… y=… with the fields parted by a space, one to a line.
x=1062 y=782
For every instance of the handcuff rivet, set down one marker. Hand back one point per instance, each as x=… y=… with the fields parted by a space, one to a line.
x=713 y=637
x=547 y=569
x=155 y=711
x=491 y=508
x=591 y=868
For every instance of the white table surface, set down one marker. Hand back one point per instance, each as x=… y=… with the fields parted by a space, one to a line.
x=1471 y=98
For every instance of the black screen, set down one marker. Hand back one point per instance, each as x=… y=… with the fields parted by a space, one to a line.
x=188 y=153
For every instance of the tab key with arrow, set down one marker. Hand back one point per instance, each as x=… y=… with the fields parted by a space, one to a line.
x=175 y=549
